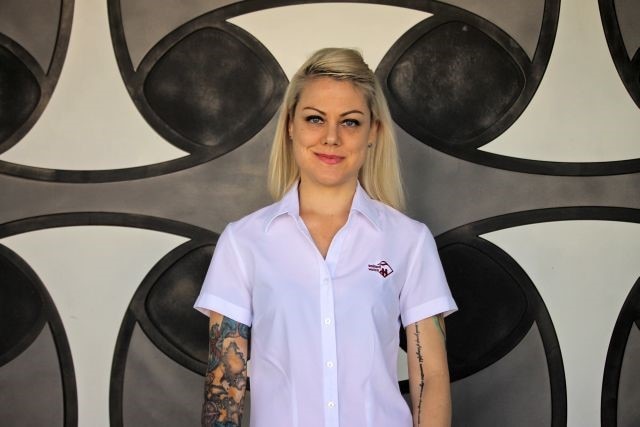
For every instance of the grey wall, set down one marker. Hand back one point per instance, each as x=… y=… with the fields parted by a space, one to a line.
x=131 y=133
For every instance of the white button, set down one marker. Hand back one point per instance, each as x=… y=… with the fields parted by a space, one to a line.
x=327 y=320
x=329 y=364
x=325 y=280
x=331 y=404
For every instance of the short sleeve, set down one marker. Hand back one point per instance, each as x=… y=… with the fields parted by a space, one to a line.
x=226 y=288
x=425 y=292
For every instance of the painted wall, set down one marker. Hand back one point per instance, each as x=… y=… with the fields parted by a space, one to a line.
x=132 y=131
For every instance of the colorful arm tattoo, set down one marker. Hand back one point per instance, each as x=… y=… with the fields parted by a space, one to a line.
x=226 y=376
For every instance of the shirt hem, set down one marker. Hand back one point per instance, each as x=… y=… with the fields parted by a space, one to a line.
x=443 y=305
x=207 y=303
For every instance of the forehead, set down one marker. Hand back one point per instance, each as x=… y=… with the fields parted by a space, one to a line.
x=330 y=92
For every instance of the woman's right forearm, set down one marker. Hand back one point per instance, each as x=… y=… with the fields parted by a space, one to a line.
x=226 y=376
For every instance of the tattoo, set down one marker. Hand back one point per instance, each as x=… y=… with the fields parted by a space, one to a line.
x=439 y=322
x=226 y=377
x=420 y=362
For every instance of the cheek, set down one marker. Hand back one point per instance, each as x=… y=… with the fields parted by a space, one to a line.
x=300 y=153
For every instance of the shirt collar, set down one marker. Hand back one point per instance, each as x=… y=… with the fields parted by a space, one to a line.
x=289 y=204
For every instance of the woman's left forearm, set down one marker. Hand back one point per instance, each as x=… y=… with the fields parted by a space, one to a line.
x=434 y=408
x=429 y=373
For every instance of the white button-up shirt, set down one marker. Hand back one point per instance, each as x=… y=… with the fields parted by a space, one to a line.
x=324 y=332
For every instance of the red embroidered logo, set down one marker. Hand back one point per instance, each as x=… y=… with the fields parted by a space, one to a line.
x=382 y=267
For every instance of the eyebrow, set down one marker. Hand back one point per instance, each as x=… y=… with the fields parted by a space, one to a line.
x=346 y=113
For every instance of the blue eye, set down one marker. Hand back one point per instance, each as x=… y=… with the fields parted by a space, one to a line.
x=314 y=120
x=351 y=123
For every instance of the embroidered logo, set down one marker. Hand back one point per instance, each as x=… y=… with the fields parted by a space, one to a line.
x=382 y=267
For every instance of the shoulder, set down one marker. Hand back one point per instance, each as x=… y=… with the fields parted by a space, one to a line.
x=398 y=223
x=252 y=225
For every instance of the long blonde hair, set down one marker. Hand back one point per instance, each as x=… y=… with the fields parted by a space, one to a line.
x=380 y=174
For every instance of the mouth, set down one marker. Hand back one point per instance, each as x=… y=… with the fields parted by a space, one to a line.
x=330 y=159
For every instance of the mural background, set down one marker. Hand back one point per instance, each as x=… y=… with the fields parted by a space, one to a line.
x=132 y=132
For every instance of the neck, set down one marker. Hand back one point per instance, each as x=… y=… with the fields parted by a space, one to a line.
x=328 y=201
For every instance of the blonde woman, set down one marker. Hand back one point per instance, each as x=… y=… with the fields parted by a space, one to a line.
x=318 y=283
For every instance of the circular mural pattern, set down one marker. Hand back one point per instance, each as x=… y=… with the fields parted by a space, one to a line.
x=207 y=86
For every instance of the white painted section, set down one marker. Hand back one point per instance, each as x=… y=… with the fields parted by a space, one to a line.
x=293 y=33
x=581 y=111
x=584 y=271
x=92 y=273
x=91 y=122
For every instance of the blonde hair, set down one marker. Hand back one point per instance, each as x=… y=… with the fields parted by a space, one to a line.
x=380 y=174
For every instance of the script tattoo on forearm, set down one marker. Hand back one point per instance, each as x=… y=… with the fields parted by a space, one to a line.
x=226 y=377
x=420 y=364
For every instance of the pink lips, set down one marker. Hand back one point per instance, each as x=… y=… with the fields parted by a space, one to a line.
x=329 y=159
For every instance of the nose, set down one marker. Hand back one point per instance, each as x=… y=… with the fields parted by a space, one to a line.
x=332 y=137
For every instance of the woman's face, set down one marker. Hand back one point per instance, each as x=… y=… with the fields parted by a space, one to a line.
x=330 y=129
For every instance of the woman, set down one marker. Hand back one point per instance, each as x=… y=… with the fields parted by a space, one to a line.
x=323 y=278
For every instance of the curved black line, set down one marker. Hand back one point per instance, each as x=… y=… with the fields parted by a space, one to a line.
x=615 y=356
x=536 y=216
x=70 y=390
x=105 y=218
x=118 y=366
x=628 y=70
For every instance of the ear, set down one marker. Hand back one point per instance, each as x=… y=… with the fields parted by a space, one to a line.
x=373 y=132
x=289 y=126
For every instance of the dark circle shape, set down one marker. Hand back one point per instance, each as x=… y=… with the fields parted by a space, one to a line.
x=187 y=52
x=22 y=308
x=501 y=313
x=168 y=303
x=466 y=142
x=628 y=318
x=454 y=83
x=207 y=85
x=19 y=93
x=25 y=88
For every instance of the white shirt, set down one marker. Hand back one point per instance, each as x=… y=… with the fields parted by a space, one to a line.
x=324 y=332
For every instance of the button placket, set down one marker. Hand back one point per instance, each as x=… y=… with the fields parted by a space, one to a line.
x=329 y=349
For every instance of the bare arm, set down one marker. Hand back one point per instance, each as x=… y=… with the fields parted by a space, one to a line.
x=226 y=377
x=429 y=373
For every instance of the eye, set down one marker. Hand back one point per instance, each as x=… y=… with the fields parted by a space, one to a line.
x=315 y=120
x=351 y=123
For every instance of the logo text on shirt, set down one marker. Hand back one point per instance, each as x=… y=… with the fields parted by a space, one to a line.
x=382 y=267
